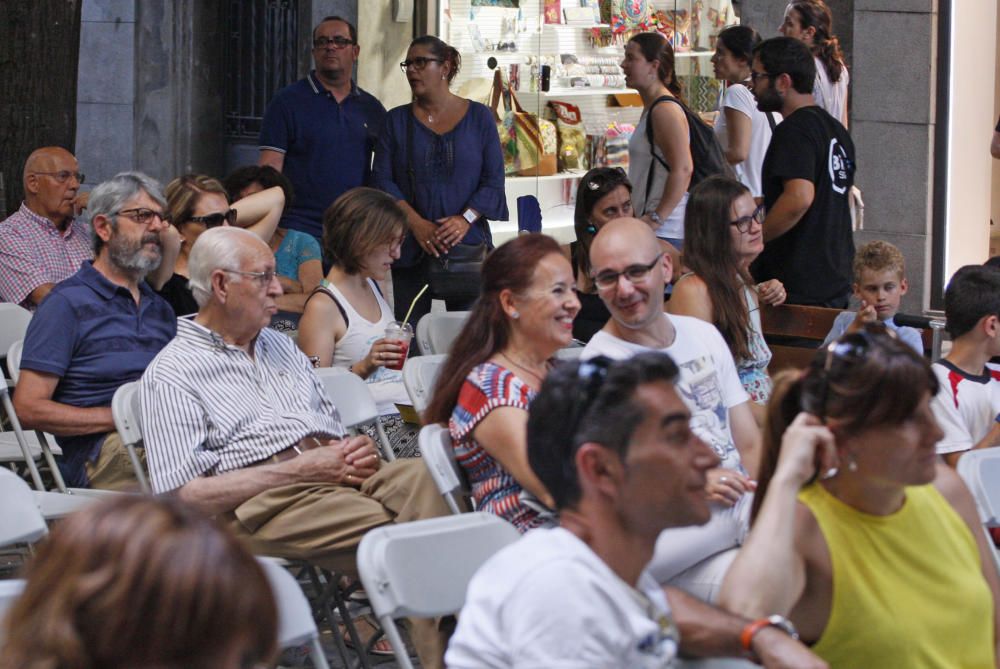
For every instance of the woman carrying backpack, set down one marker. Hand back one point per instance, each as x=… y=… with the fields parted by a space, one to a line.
x=659 y=192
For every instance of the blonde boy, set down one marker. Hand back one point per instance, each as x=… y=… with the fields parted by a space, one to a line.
x=879 y=282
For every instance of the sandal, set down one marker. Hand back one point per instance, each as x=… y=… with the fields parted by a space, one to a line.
x=365 y=624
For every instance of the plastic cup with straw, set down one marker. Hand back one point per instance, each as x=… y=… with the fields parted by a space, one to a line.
x=401 y=331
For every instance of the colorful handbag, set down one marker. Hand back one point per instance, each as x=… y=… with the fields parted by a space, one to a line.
x=529 y=143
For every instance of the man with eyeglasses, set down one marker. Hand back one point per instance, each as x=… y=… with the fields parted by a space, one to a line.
x=630 y=271
x=622 y=464
x=43 y=242
x=237 y=424
x=97 y=330
x=321 y=131
x=807 y=175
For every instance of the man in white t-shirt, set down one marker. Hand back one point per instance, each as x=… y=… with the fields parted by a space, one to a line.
x=621 y=464
x=629 y=274
x=967 y=405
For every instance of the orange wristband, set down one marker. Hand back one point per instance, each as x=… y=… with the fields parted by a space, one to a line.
x=746 y=636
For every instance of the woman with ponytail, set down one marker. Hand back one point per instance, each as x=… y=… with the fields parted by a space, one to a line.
x=868 y=544
x=811 y=22
x=659 y=192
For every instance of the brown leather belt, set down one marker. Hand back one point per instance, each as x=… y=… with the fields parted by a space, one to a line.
x=307 y=444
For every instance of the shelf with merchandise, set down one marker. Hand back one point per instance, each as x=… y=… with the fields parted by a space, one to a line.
x=558 y=176
x=575 y=92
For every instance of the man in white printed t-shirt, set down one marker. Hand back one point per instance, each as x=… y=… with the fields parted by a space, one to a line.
x=629 y=273
x=621 y=464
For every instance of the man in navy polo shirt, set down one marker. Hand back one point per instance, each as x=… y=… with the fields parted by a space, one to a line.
x=97 y=330
x=321 y=131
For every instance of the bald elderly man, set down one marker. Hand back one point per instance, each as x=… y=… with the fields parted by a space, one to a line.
x=43 y=242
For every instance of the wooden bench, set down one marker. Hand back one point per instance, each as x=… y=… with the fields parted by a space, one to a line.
x=793 y=332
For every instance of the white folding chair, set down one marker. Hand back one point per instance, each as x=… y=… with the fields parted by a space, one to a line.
x=354 y=402
x=439 y=456
x=14 y=321
x=295 y=622
x=125 y=412
x=21 y=521
x=422 y=569
x=980 y=469
x=419 y=375
x=437 y=331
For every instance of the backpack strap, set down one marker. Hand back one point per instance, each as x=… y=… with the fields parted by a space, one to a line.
x=770 y=121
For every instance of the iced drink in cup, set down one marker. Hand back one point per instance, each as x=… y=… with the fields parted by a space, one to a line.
x=401 y=333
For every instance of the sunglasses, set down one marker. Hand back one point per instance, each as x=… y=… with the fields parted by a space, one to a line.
x=598 y=180
x=216 y=219
x=841 y=355
x=591 y=374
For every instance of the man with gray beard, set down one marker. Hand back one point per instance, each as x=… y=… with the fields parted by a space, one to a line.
x=97 y=330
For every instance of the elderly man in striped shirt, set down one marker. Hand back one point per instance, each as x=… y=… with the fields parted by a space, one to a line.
x=237 y=424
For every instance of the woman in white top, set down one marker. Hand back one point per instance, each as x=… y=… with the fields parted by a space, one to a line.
x=660 y=174
x=344 y=321
x=811 y=22
x=743 y=130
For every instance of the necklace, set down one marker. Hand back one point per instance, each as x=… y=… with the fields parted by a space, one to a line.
x=538 y=377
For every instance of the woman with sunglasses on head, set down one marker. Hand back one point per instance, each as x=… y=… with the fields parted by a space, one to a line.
x=811 y=22
x=723 y=234
x=868 y=544
x=496 y=367
x=743 y=130
x=346 y=316
x=195 y=203
x=440 y=158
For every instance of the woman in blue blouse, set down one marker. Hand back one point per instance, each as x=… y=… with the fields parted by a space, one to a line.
x=440 y=157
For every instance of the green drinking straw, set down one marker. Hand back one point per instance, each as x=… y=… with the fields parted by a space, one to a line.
x=406 y=318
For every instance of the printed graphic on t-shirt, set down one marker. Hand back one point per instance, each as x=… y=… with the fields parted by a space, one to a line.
x=699 y=387
x=839 y=165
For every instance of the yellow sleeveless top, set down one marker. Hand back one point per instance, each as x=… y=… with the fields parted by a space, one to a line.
x=908 y=588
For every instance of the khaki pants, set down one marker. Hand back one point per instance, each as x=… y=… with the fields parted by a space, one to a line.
x=113 y=468
x=323 y=523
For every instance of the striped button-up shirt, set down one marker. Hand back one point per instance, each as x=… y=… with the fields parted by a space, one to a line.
x=33 y=252
x=209 y=408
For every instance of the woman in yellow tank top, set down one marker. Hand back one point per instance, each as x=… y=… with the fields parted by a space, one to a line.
x=861 y=537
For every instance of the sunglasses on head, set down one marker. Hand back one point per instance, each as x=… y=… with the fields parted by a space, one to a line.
x=216 y=219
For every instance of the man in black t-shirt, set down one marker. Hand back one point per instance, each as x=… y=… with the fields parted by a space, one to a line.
x=808 y=172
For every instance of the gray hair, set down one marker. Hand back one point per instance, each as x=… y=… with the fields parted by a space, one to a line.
x=216 y=248
x=110 y=196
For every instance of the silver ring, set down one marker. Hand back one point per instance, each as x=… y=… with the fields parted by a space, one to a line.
x=723 y=479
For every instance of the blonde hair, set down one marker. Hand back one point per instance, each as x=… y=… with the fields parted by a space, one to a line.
x=878 y=256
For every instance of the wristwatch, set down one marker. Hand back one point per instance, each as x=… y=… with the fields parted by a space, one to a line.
x=470 y=215
x=751 y=629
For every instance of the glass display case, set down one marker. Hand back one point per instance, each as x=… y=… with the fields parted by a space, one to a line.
x=559 y=60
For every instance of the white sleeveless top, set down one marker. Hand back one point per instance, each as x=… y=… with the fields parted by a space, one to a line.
x=386 y=384
x=640 y=161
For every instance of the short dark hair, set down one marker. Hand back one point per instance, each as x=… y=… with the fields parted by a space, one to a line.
x=350 y=26
x=787 y=55
x=610 y=414
x=972 y=293
x=357 y=223
x=265 y=175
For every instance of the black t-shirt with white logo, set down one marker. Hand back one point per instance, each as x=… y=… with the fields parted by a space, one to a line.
x=814 y=258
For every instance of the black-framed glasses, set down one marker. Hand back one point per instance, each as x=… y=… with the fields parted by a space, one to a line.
x=418 y=63
x=141 y=215
x=216 y=219
x=634 y=273
x=754 y=76
x=590 y=376
x=62 y=176
x=743 y=223
x=263 y=278
x=337 y=42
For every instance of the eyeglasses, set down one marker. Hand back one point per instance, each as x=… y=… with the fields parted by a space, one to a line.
x=634 y=273
x=62 y=176
x=743 y=223
x=337 y=42
x=262 y=278
x=216 y=219
x=754 y=76
x=418 y=63
x=590 y=375
x=599 y=180
x=141 y=215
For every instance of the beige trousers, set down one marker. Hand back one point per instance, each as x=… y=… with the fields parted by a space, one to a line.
x=113 y=469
